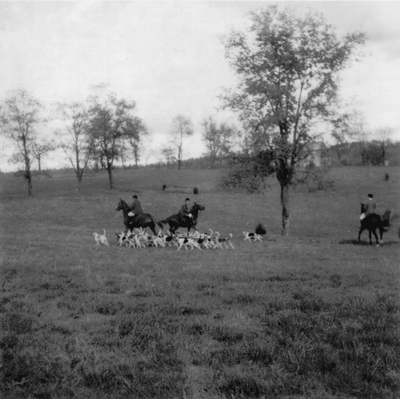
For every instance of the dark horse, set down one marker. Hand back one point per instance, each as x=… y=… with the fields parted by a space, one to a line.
x=175 y=221
x=374 y=221
x=140 y=220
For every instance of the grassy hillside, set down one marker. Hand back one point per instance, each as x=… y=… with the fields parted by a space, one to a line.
x=313 y=315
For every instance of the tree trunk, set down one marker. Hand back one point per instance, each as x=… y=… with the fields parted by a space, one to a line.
x=285 y=208
x=28 y=177
x=284 y=174
x=110 y=176
x=180 y=155
x=136 y=155
x=39 y=165
x=383 y=153
x=79 y=174
x=27 y=174
x=339 y=154
x=213 y=161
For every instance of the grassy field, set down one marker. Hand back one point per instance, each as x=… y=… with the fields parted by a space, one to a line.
x=312 y=315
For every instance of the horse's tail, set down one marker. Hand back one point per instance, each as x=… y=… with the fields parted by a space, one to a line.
x=386 y=218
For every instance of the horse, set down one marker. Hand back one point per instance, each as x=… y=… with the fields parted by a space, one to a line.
x=140 y=220
x=372 y=222
x=175 y=221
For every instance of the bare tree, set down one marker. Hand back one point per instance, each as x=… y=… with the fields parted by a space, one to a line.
x=360 y=134
x=181 y=128
x=40 y=148
x=288 y=67
x=76 y=140
x=383 y=137
x=347 y=127
x=19 y=117
x=136 y=144
x=168 y=154
x=111 y=124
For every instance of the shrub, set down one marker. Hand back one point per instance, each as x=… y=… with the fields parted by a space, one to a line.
x=248 y=171
x=314 y=178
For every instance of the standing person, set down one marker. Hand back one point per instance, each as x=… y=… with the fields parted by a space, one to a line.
x=135 y=206
x=369 y=207
x=184 y=212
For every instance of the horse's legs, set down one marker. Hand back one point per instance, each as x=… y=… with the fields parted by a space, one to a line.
x=172 y=228
x=381 y=234
x=376 y=236
x=370 y=236
x=153 y=228
x=359 y=232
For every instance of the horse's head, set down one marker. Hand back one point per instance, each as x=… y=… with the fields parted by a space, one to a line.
x=197 y=207
x=120 y=205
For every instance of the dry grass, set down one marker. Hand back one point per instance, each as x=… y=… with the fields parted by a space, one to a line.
x=309 y=316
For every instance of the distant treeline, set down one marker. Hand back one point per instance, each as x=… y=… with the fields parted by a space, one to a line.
x=377 y=153
x=351 y=154
x=374 y=153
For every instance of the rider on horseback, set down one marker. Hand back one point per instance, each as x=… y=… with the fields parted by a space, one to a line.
x=369 y=207
x=184 y=212
x=135 y=207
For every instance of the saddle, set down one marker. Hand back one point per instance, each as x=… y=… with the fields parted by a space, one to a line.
x=186 y=220
x=132 y=219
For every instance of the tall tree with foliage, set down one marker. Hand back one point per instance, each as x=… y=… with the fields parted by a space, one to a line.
x=20 y=114
x=217 y=139
x=112 y=124
x=75 y=139
x=288 y=69
x=181 y=127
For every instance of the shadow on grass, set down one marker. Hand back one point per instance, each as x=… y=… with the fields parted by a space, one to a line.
x=366 y=243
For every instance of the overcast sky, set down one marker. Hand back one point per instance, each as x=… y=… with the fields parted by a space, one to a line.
x=168 y=57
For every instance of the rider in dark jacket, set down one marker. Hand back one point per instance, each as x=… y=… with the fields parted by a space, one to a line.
x=369 y=206
x=184 y=212
x=135 y=207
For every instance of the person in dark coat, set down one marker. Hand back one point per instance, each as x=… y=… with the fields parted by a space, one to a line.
x=135 y=206
x=184 y=212
x=369 y=207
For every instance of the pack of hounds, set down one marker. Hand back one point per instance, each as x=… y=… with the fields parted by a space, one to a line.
x=139 y=238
